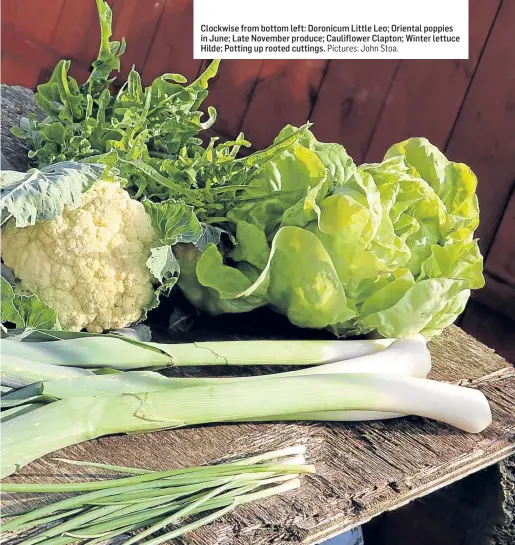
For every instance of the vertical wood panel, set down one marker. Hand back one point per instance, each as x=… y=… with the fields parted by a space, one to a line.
x=231 y=93
x=426 y=95
x=349 y=102
x=490 y=328
x=501 y=258
x=484 y=135
x=285 y=93
x=172 y=47
x=35 y=18
x=137 y=22
x=19 y=71
x=77 y=34
x=24 y=47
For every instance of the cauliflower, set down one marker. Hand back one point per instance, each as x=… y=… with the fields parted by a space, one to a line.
x=89 y=263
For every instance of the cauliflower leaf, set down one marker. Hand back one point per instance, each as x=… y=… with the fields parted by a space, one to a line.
x=41 y=195
x=25 y=310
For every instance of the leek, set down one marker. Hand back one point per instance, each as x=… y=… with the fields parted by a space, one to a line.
x=114 y=351
x=403 y=357
x=17 y=372
x=67 y=422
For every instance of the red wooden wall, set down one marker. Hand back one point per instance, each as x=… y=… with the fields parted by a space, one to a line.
x=467 y=108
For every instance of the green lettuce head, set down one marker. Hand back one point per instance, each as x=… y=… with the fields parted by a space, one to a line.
x=384 y=247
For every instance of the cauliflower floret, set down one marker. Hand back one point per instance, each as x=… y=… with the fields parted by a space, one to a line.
x=89 y=264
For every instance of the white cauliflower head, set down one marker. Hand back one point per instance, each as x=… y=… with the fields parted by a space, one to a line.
x=89 y=264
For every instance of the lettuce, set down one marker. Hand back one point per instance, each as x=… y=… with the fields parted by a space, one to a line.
x=384 y=247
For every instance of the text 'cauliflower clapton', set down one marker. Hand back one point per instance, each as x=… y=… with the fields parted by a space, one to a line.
x=89 y=264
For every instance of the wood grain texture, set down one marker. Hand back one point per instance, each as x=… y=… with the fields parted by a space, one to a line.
x=136 y=21
x=285 y=93
x=491 y=327
x=37 y=19
x=501 y=258
x=498 y=295
x=77 y=34
x=362 y=469
x=18 y=70
x=349 y=102
x=26 y=48
x=172 y=46
x=484 y=135
x=15 y=102
x=231 y=92
x=426 y=95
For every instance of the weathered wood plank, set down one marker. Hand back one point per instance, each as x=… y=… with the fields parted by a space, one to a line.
x=231 y=93
x=15 y=102
x=18 y=70
x=363 y=469
x=285 y=93
x=136 y=21
x=172 y=46
x=36 y=19
x=491 y=327
x=349 y=102
x=77 y=33
x=484 y=135
x=426 y=95
x=497 y=295
x=501 y=258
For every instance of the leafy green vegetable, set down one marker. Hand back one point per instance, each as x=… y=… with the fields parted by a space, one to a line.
x=149 y=137
x=386 y=247
x=41 y=195
x=25 y=310
x=41 y=203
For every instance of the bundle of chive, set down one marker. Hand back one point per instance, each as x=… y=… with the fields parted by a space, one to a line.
x=167 y=503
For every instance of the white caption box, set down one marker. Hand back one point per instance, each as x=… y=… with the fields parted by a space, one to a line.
x=331 y=29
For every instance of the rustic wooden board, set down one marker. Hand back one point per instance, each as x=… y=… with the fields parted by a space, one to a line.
x=36 y=19
x=19 y=71
x=77 y=34
x=363 y=469
x=136 y=21
x=232 y=92
x=484 y=322
x=285 y=93
x=172 y=47
x=349 y=102
x=501 y=258
x=484 y=135
x=498 y=295
x=426 y=95
x=33 y=53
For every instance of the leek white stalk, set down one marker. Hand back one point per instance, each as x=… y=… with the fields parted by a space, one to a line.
x=122 y=353
x=64 y=423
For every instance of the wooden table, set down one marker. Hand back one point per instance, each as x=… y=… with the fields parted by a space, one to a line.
x=363 y=469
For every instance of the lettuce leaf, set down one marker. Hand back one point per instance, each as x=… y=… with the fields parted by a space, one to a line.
x=384 y=247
